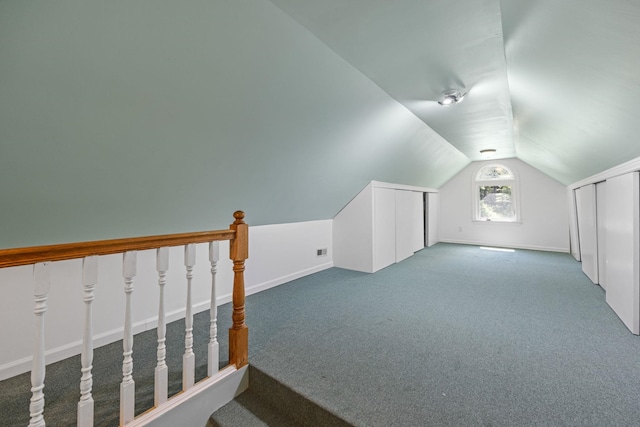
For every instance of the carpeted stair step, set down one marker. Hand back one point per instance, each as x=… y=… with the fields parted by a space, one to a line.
x=268 y=402
x=248 y=410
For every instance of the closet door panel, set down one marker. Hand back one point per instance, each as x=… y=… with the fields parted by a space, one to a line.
x=433 y=208
x=622 y=219
x=405 y=228
x=418 y=220
x=587 y=230
x=601 y=204
x=573 y=225
x=384 y=228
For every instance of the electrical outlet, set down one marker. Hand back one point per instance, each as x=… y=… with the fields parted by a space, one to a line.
x=321 y=252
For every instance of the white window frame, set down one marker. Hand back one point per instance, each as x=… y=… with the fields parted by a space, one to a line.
x=513 y=181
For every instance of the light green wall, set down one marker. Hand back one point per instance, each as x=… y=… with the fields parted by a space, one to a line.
x=125 y=118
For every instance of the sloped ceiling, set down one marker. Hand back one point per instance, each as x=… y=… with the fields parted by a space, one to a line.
x=120 y=119
x=125 y=118
x=555 y=84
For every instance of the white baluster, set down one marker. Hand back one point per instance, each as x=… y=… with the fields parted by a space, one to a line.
x=89 y=281
x=214 y=351
x=188 y=359
x=41 y=279
x=162 y=371
x=127 y=387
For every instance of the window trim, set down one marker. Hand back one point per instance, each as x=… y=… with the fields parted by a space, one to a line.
x=515 y=193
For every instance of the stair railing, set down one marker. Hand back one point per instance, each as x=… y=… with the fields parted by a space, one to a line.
x=41 y=258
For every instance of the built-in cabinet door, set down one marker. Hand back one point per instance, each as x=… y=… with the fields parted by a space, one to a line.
x=601 y=215
x=574 y=239
x=417 y=212
x=587 y=230
x=431 y=218
x=384 y=228
x=622 y=235
x=380 y=226
x=405 y=227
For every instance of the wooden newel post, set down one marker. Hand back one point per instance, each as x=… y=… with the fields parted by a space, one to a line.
x=239 y=252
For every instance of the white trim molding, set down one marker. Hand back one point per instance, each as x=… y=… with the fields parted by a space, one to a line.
x=630 y=166
x=379 y=184
x=506 y=245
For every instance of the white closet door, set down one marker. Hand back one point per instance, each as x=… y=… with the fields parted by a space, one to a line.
x=405 y=208
x=587 y=230
x=384 y=228
x=432 y=219
x=418 y=220
x=601 y=204
x=573 y=226
x=622 y=224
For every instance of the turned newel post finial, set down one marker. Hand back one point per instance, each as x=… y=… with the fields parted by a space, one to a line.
x=239 y=252
x=239 y=216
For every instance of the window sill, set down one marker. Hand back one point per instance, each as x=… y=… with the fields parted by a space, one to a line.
x=496 y=221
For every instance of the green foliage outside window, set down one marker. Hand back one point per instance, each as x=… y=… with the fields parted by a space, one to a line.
x=496 y=203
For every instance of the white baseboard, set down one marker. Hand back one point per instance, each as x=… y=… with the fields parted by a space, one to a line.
x=527 y=247
x=287 y=278
x=53 y=355
x=250 y=290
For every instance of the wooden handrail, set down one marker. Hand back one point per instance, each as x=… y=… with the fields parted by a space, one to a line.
x=40 y=256
x=31 y=255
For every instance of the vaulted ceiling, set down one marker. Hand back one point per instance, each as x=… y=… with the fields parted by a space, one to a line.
x=553 y=83
x=120 y=119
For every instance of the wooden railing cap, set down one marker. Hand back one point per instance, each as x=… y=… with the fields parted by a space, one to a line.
x=58 y=252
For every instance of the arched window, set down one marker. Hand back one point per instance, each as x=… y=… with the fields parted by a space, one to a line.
x=495 y=194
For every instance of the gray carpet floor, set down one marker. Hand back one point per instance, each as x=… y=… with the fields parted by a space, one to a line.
x=453 y=336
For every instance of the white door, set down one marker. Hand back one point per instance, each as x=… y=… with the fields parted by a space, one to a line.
x=601 y=203
x=432 y=219
x=587 y=230
x=418 y=220
x=573 y=226
x=405 y=228
x=622 y=226
x=384 y=228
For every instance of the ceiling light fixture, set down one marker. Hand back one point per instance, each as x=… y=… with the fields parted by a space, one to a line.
x=488 y=153
x=450 y=97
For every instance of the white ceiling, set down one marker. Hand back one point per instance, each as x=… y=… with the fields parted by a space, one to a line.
x=553 y=83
